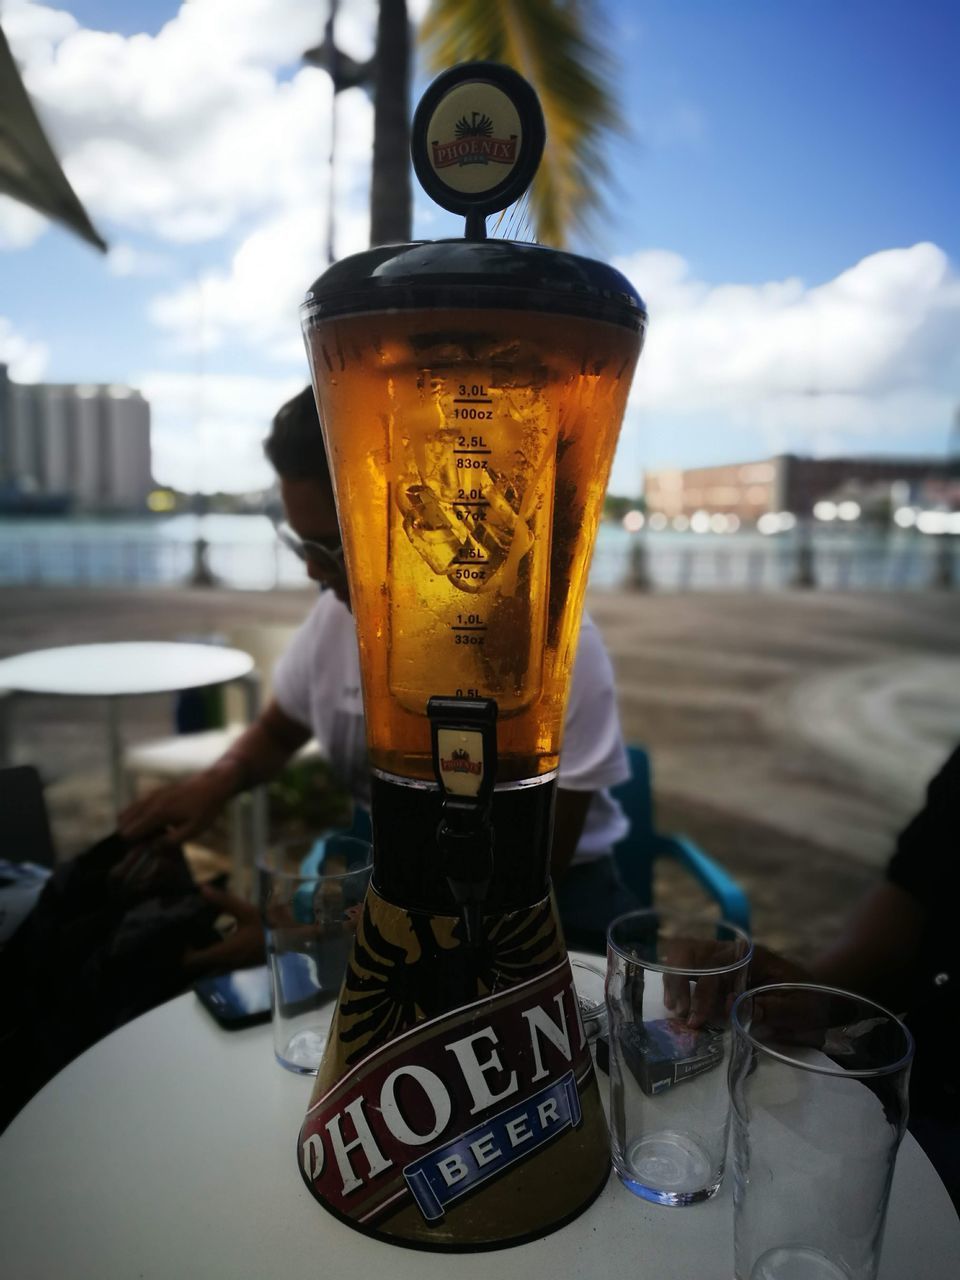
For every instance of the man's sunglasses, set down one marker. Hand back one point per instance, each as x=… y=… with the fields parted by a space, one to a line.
x=325 y=553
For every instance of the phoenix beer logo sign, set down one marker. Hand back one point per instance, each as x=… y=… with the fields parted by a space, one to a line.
x=451 y=1105
x=460 y=762
x=474 y=143
x=477 y=139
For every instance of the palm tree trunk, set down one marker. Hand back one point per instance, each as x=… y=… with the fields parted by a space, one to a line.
x=390 y=200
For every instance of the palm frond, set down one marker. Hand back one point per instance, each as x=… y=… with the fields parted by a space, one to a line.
x=515 y=222
x=550 y=42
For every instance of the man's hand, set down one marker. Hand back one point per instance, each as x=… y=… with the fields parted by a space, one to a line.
x=241 y=948
x=180 y=811
x=710 y=996
x=187 y=808
x=768 y=967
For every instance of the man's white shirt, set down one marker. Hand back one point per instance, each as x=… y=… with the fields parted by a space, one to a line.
x=317 y=683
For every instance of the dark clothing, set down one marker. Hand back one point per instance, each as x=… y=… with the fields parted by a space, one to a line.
x=926 y=865
x=589 y=896
x=102 y=945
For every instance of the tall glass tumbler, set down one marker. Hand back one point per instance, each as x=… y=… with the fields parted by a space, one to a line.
x=311 y=892
x=671 y=983
x=818 y=1082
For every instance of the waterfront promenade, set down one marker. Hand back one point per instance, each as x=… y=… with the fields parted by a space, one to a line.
x=791 y=732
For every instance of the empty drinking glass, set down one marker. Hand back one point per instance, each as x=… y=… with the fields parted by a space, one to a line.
x=310 y=894
x=671 y=983
x=818 y=1081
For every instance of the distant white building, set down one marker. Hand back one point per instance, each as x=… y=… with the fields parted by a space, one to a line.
x=90 y=443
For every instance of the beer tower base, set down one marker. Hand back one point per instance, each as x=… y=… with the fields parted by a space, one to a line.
x=456 y=1122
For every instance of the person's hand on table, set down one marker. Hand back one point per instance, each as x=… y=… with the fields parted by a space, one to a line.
x=709 y=997
x=243 y=945
x=768 y=966
x=180 y=811
x=787 y=1017
x=172 y=815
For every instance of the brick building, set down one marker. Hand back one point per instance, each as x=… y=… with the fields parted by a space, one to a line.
x=784 y=483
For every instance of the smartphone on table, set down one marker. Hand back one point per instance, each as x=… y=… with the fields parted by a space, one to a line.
x=239 y=999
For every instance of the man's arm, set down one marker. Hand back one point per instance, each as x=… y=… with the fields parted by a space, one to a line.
x=593 y=755
x=186 y=808
x=877 y=951
x=880 y=946
x=874 y=955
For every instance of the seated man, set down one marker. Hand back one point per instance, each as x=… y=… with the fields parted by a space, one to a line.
x=898 y=949
x=317 y=694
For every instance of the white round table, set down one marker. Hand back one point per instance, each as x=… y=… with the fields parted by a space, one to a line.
x=123 y=670
x=170 y=1149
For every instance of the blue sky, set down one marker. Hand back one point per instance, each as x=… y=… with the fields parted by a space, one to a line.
x=805 y=134
x=786 y=200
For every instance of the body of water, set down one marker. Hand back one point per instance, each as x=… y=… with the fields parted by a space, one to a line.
x=243 y=552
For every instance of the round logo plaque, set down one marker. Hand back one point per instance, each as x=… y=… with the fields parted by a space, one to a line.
x=477 y=138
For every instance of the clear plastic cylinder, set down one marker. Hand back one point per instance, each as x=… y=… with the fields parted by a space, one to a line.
x=470 y=452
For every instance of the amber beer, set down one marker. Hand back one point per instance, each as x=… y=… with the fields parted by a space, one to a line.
x=486 y=437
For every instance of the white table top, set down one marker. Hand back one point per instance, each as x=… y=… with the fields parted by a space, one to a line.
x=124 y=669
x=170 y=1149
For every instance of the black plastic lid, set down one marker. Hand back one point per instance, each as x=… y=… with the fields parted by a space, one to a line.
x=477 y=139
x=499 y=274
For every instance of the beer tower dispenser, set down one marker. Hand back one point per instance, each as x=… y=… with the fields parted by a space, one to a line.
x=470 y=393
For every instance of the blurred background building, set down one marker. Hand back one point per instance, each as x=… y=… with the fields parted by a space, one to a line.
x=73 y=446
x=788 y=483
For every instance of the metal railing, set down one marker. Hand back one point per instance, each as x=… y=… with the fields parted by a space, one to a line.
x=776 y=565
x=735 y=563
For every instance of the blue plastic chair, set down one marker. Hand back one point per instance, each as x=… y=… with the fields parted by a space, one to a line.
x=636 y=853
x=361 y=827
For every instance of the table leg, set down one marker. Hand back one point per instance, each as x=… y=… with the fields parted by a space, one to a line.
x=117 y=780
x=251 y=695
x=6 y=729
x=244 y=874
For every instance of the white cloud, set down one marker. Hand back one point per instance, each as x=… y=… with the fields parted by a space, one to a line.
x=255 y=302
x=19 y=225
x=211 y=129
x=207 y=431
x=34 y=29
x=869 y=356
x=26 y=360
x=125 y=260
x=193 y=131
x=859 y=362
